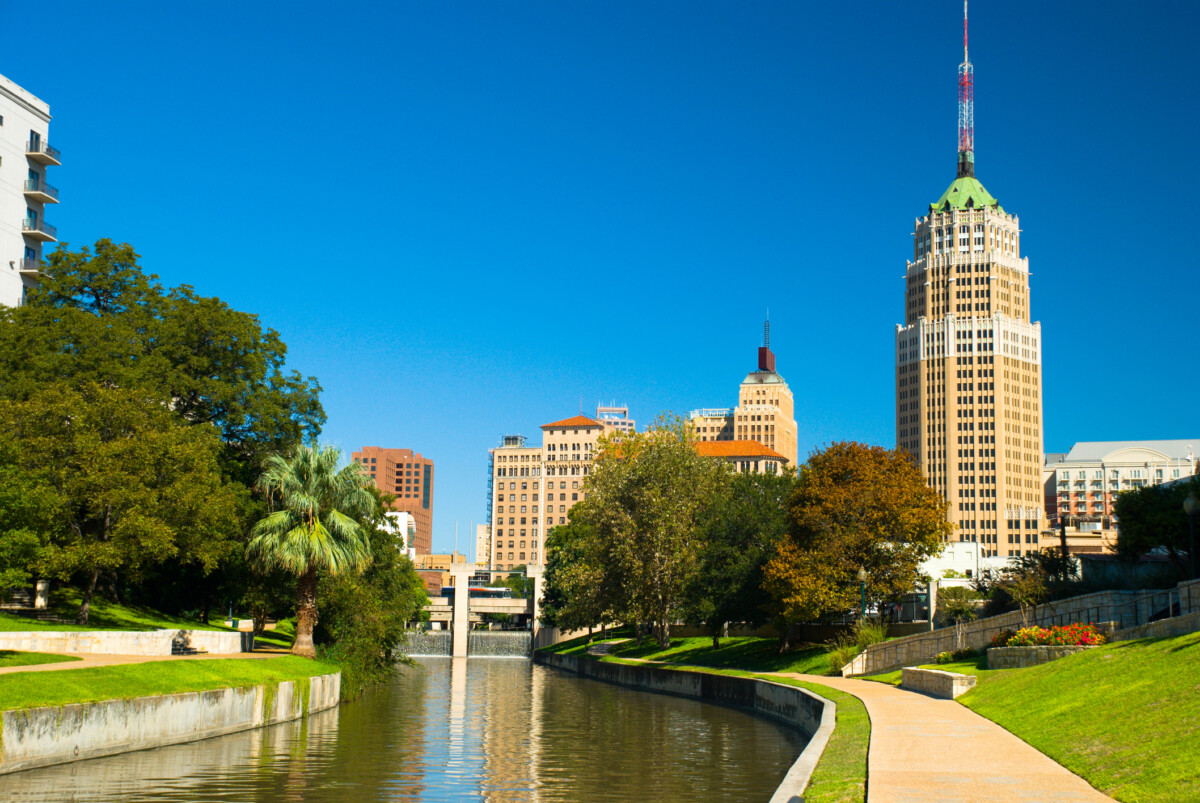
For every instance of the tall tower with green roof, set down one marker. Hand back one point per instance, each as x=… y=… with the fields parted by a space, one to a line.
x=968 y=358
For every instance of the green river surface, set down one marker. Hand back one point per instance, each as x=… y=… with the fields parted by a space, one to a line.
x=457 y=729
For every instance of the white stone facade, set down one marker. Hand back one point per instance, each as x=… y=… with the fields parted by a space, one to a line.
x=25 y=156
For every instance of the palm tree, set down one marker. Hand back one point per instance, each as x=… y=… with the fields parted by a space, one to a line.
x=312 y=526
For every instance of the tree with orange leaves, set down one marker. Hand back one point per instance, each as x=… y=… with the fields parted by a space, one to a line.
x=854 y=507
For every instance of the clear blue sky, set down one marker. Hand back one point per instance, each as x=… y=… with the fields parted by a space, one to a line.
x=464 y=217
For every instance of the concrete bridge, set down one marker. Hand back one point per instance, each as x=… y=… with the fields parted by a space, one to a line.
x=460 y=611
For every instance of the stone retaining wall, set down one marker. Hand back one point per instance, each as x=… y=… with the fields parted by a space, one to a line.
x=39 y=737
x=936 y=682
x=792 y=706
x=1020 y=657
x=1125 y=609
x=125 y=642
x=1176 y=626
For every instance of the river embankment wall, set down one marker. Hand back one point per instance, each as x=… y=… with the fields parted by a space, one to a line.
x=126 y=642
x=39 y=737
x=789 y=705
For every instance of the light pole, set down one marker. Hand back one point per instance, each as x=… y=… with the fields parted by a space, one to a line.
x=862 y=580
x=1191 y=506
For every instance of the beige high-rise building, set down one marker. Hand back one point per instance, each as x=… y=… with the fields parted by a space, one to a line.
x=533 y=488
x=969 y=361
x=765 y=411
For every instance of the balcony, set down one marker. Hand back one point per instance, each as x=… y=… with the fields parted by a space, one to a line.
x=38 y=190
x=31 y=267
x=38 y=230
x=42 y=153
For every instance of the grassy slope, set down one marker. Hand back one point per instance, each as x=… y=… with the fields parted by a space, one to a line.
x=1125 y=716
x=841 y=774
x=14 y=658
x=746 y=653
x=104 y=615
x=35 y=689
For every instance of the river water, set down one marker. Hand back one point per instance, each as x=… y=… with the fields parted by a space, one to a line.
x=457 y=729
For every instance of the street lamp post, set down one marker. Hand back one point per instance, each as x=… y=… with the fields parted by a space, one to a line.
x=862 y=580
x=1191 y=506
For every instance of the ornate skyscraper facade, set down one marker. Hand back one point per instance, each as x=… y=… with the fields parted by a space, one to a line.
x=968 y=359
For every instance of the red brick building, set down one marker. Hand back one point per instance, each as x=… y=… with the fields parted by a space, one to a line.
x=408 y=476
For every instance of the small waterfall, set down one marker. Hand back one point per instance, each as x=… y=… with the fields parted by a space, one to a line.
x=427 y=643
x=499 y=644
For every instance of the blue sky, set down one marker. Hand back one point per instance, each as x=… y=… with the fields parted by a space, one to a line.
x=465 y=217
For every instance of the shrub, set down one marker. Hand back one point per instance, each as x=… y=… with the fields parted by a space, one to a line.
x=1001 y=638
x=1080 y=635
x=949 y=657
x=850 y=644
x=943 y=658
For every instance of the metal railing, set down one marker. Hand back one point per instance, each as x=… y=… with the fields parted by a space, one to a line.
x=37 y=185
x=30 y=265
x=43 y=148
x=28 y=225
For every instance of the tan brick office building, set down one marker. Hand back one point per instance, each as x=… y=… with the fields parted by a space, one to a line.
x=409 y=477
x=969 y=361
x=765 y=412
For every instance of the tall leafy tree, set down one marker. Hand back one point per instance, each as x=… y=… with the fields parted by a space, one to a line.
x=646 y=496
x=854 y=507
x=1152 y=517
x=120 y=484
x=745 y=522
x=97 y=317
x=314 y=527
x=574 y=593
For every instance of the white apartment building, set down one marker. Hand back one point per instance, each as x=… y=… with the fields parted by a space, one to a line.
x=25 y=156
x=1083 y=484
x=404 y=525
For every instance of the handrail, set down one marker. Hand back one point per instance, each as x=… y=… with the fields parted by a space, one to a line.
x=38 y=225
x=37 y=185
x=43 y=147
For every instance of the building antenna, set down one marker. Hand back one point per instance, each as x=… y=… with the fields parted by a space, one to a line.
x=767 y=331
x=966 y=109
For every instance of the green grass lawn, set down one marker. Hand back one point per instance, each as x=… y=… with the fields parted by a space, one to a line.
x=1124 y=716
x=15 y=658
x=744 y=652
x=104 y=615
x=37 y=689
x=281 y=636
x=841 y=774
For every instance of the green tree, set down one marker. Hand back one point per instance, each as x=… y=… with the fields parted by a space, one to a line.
x=854 y=507
x=1024 y=581
x=958 y=605
x=746 y=520
x=314 y=526
x=573 y=588
x=119 y=484
x=520 y=585
x=96 y=317
x=646 y=496
x=365 y=616
x=1152 y=517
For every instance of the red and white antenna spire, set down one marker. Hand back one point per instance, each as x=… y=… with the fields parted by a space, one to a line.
x=966 y=109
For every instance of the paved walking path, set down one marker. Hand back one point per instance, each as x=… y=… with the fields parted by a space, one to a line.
x=926 y=749
x=88 y=660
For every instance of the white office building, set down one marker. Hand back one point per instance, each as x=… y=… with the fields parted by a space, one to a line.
x=25 y=157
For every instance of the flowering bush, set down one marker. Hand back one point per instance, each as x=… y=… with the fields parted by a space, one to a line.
x=1001 y=638
x=1078 y=635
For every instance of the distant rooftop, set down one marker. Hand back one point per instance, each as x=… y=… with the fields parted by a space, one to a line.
x=574 y=421
x=736 y=449
x=1085 y=451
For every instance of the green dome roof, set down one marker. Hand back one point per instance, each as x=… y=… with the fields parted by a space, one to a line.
x=965 y=193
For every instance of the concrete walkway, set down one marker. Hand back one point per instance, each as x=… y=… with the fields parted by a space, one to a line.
x=88 y=660
x=926 y=749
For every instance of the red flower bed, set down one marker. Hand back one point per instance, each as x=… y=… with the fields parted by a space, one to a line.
x=1066 y=635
